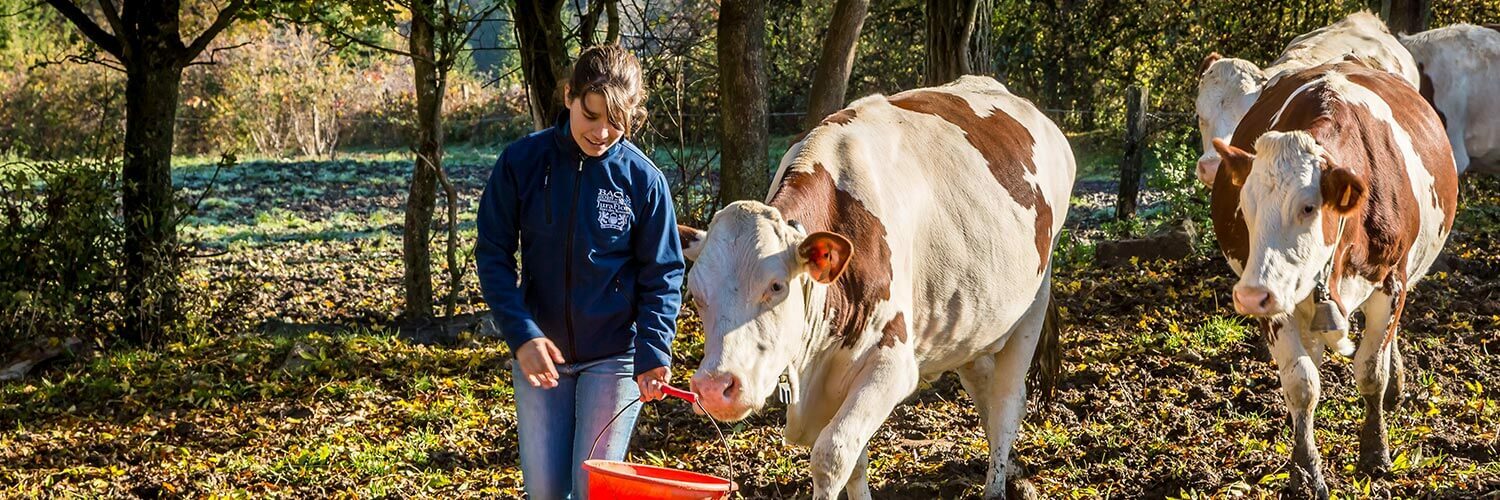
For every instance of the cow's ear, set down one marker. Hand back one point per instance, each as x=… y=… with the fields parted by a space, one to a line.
x=1212 y=58
x=1235 y=161
x=1342 y=189
x=825 y=255
x=692 y=241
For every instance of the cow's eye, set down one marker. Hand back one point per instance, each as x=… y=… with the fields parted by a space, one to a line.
x=777 y=287
x=1308 y=209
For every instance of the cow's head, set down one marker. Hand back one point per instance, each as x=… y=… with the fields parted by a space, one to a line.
x=1226 y=89
x=1292 y=196
x=752 y=283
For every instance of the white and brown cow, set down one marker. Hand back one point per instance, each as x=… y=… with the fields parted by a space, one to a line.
x=1337 y=171
x=904 y=237
x=1460 y=71
x=1228 y=86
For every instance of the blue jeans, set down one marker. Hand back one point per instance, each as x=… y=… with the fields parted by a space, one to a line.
x=557 y=426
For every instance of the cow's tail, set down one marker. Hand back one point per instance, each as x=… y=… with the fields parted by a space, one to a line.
x=1046 y=363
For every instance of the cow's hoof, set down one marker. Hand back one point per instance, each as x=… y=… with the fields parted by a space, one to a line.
x=1317 y=491
x=1303 y=483
x=1375 y=465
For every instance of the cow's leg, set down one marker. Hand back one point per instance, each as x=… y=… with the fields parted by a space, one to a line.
x=858 y=487
x=1456 y=132
x=1395 y=385
x=998 y=385
x=1372 y=369
x=1297 y=365
x=888 y=376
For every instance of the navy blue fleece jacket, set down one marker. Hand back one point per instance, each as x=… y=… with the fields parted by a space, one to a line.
x=601 y=266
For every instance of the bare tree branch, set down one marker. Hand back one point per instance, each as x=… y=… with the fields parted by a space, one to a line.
x=226 y=17
x=476 y=20
x=350 y=38
x=77 y=59
x=215 y=52
x=23 y=10
x=502 y=77
x=498 y=47
x=90 y=29
x=113 y=17
x=473 y=23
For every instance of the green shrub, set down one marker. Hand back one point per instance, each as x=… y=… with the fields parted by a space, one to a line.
x=60 y=246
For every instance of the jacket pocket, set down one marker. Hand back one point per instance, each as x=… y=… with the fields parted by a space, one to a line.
x=537 y=207
x=547 y=193
x=614 y=306
x=527 y=299
x=624 y=291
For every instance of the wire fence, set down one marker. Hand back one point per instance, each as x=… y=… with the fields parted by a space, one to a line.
x=687 y=140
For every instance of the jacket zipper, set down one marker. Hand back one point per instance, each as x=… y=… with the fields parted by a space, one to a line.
x=568 y=268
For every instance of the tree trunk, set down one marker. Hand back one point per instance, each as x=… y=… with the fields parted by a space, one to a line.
x=455 y=270
x=831 y=80
x=612 y=25
x=950 y=24
x=743 y=166
x=151 y=91
x=146 y=37
x=588 y=25
x=422 y=196
x=1406 y=16
x=152 y=84
x=544 y=56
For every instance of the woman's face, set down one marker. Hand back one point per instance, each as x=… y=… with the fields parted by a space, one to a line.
x=590 y=126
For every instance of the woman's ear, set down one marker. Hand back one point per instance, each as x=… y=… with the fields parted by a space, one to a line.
x=563 y=93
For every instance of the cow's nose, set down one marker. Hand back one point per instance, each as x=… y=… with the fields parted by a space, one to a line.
x=1254 y=300
x=1208 y=168
x=718 y=388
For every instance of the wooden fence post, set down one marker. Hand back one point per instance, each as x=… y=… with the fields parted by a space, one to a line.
x=1135 y=151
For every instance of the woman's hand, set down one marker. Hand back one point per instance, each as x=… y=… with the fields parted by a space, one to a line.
x=539 y=359
x=651 y=383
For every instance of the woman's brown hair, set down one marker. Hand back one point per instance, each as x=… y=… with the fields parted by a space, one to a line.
x=615 y=74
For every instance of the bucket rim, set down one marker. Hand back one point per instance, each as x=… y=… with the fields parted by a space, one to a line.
x=595 y=466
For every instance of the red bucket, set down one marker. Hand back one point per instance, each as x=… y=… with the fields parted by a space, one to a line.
x=609 y=479
x=626 y=481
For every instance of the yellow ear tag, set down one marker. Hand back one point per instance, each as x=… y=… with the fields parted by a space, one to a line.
x=1348 y=191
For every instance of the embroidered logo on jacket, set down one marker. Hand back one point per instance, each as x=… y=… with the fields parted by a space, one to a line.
x=614 y=210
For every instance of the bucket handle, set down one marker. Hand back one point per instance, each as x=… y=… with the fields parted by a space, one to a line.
x=688 y=396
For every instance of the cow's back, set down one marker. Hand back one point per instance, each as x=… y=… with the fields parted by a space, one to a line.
x=970 y=185
x=1361 y=34
x=1460 y=76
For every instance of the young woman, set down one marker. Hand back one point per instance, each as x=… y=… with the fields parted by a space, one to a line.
x=591 y=307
